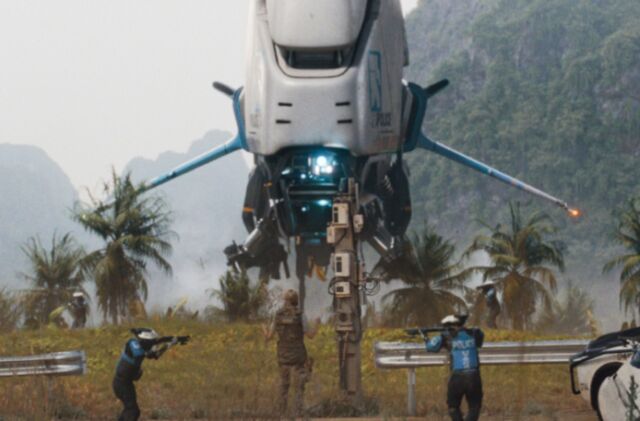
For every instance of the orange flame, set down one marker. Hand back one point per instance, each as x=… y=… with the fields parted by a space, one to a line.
x=574 y=213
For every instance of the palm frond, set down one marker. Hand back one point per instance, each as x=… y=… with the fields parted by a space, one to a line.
x=136 y=233
x=429 y=275
x=522 y=256
x=54 y=274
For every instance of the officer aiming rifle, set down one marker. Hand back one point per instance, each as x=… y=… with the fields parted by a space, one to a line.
x=462 y=344
x=146 y=343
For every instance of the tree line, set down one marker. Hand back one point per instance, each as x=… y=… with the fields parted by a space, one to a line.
x=135 y=233
x=544 y=90
x=522 y=257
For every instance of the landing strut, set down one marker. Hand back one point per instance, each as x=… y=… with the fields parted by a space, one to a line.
x=346 y=287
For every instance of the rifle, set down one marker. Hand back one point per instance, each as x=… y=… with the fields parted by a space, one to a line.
x=181 y=340
x=162 y=344
x=424 y=331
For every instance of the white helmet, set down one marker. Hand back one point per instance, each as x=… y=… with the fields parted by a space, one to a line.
x=454 y=320
x=144 y=333
x=78 y=294
x=486 y=285
x=451 y=319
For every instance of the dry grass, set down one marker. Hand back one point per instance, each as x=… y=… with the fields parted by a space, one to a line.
x=228 y=371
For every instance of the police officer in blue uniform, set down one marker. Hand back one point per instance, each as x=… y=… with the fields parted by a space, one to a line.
x=464 y=381
x=145 y=344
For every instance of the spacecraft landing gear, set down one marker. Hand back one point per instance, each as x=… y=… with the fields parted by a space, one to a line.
x=347 y=289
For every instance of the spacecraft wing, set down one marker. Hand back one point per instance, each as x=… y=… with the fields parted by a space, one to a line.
x=231 y=145
x=219 y=151
x=450 y=153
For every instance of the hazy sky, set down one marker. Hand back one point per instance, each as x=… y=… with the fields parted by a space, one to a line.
x=95 y=83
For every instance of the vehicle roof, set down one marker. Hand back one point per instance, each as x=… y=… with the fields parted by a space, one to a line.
x=613 y=339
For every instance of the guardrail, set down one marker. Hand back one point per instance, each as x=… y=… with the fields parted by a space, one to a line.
x=393 y=355
x=68 y=363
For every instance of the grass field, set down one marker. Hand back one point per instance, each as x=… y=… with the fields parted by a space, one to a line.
x=228 y=371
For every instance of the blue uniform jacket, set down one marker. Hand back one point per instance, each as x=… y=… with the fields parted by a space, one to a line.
x=463 y=348
x=129 y=365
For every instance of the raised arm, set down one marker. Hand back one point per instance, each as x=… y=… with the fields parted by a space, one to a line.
x=434 y=344
x=312 y=331
x=269 y=330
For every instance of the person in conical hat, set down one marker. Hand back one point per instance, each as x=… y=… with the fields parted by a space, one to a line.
x=490 y=293
x=78 y=308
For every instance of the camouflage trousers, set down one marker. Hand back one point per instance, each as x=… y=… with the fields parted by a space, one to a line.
x=299 y=376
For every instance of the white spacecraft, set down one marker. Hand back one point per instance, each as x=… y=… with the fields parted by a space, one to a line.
x=325 y=100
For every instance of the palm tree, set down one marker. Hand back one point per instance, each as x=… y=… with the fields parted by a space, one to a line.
x=628 y=235
x=54 y=275
x=426 y=269
x=572 y=314
x=521 y=256
x=240 y=300
x=135 y=231
x=10 y=311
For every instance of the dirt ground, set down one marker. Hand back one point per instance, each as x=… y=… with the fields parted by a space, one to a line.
x=229 y=372
x=562 y=416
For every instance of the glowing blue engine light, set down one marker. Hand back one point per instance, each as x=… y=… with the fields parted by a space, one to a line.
x=322 y=161
x=322 y=165
x=324 y=202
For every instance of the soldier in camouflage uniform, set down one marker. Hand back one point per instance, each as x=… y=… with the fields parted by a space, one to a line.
x=291 y=326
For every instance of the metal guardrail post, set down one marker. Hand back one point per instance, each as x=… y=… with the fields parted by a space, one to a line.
x=67 y=363
x=392 y=355
x=411 y=392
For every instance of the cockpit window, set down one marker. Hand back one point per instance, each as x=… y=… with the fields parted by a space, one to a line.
x=315 y=60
